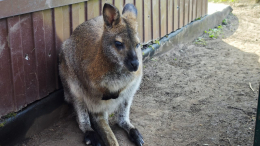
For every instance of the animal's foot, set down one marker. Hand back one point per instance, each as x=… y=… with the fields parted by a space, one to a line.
x=92 y=138
x=136 y=137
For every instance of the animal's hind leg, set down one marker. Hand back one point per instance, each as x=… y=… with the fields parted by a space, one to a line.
x=124 y=122
x=91 y=137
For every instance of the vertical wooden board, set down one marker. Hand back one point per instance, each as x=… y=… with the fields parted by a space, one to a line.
x=207 y=2
x=147 y=21
x=62 y=32
x=39 y=45
x=93 y=9
x=29 y=58
x=139 y=7
x=194 y=9
x=6 y=87
x=17 y=57
x=181 y=13
x=163 y=21
x=129 y=1
x=170 y=16
x=198 y=9
x=50 y=54
x=155 y=17
x=202 y=8
x=106 y=1
x=120 y=5
x=186 y=12
x=78 y=14
x=190 y=11
x=175 y=15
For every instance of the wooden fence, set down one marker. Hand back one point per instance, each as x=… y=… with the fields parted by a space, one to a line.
x=30 y=42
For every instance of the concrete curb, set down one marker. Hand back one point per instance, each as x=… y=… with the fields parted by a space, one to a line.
x=187 y=33
x=42 y=114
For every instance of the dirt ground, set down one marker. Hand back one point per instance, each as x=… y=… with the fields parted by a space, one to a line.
x=193 y=95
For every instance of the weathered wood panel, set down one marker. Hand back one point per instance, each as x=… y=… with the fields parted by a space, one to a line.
x=194 y=9
x=170 y=14
x=186 y=12
x=190 y=11
x=203 y=4
x=181 y=13
x=140 y=18
x=120 y=5
x=17 y=56
x=147 y=21
x=199 y=3
x=62 y=28
x=175 y=15
x=129 y=1
x=29 y=60
x=163 y=20
x=6 y=83
x=156 y=18
x=93 y=9
x=78 y=14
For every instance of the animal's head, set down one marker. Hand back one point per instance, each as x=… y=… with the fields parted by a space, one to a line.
x=120 y=41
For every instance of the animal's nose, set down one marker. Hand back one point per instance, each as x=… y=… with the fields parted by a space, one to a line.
x=135 y=64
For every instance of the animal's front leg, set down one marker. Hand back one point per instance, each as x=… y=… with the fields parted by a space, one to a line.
x=124 y=122
x=99 y=123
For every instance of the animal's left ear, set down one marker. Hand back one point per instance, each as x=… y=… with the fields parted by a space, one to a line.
x=130 y=11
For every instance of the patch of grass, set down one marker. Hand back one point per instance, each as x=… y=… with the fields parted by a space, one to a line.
x=2 y=124
x=157 y=42
x=12 y=114
x=151 y=46
x=198 y=19
x=224 y=22
x=215 y=32
x=200 y=41
x=112 y=115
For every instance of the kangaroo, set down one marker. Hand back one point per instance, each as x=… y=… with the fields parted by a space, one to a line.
x=101 y=70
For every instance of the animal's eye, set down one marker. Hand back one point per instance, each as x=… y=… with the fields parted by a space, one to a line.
x=119 y=45
x=138 y=45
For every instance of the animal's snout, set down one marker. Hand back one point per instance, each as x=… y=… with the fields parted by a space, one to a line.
x=135 y=64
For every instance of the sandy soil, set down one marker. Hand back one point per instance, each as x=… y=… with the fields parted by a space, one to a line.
x=193 y=95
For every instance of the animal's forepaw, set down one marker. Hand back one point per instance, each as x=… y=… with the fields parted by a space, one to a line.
x=92 y=138
x=136 y=137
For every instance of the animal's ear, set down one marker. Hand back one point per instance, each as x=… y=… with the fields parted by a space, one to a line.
x=130 y=11
x=111 y=14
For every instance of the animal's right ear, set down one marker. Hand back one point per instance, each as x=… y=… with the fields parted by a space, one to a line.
x=111 y=15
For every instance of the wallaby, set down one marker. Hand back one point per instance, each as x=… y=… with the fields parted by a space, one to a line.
x=101 y=70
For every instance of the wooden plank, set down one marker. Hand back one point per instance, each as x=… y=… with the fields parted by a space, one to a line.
x=62 y=28
x=207 y=4
x=129 y=1
x=163 y=6
x=198 y=9
x=120 y=5
x=50 y=53
x=17 y=57
x=181 y=13
x=78 y=14
x=170 y=16
x=194 y=10
x=39 y=44
x=29 y=58
x=139 y=7
x=147 y=21
x=175 y=15
x=156 y=18
x=106 y=1
x=93 y=9
x=186 y=12
x=203 y=4
x=190 y=11
x=6 y=86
